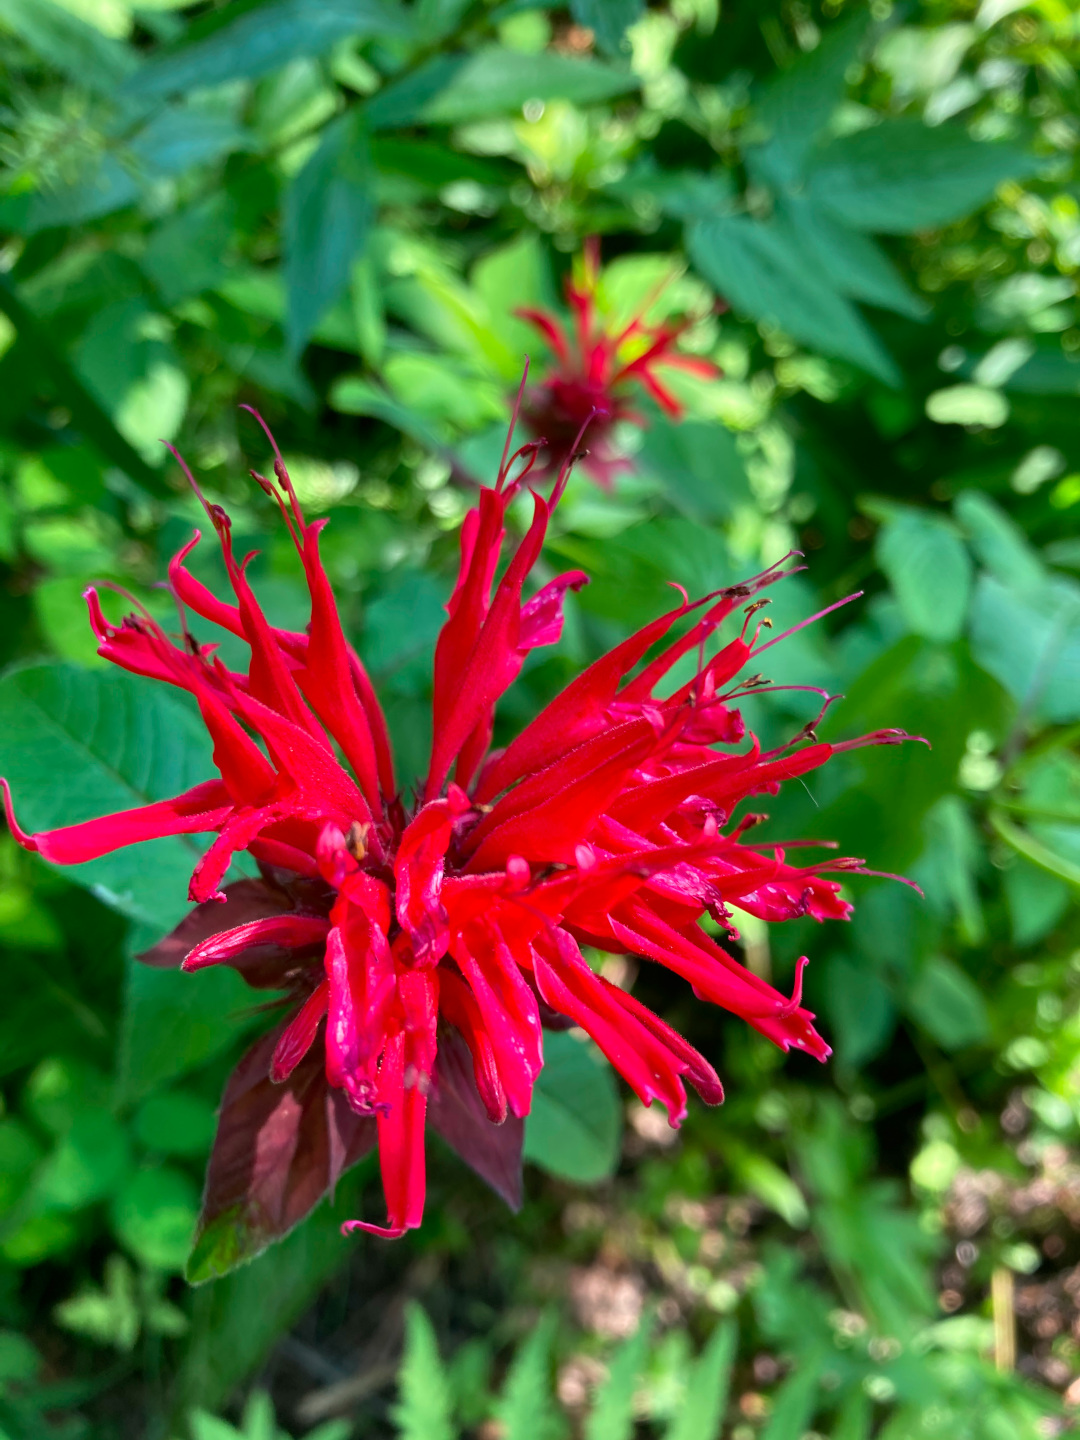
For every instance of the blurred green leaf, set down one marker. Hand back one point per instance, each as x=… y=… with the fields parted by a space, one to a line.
x=930 y=572
x=575 y=1126
x=327 y=212
x=154 y=1217
x=423 y=1408
x=948 y=1005
x=262 y=39
x=902 y=175
x=707 y=1388
x=761 y=269
x=608 y=20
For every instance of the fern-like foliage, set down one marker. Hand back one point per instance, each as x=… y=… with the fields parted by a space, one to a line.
x=525 y=1408
x=707 y=1389
x=424 y=1410
x=612 y=1416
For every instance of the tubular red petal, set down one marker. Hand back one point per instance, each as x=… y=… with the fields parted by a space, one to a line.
x=292 y=931
x=299 y=1035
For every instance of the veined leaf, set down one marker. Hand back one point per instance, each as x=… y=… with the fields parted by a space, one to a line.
x=762 y=271
x=902 y=176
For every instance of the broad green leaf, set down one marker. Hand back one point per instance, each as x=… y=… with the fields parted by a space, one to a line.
x=105 y=188
x=902 y=176
x=699 y=464
x=451 y=89
x=612 y=1415
x=798 y=102
x=1030 y=642
x=78 y=744
x=949 y=1005
x=1036 y=901
x=87 y=1165
x=702 y=1412
x=773 y=1186
x=854 y=263
x=998 y=542
x=264 y=39
x=949 y=866
x=422 y=1411
x=609 y=20
x=930 y=572
x=761 y=270
x=327 y=211
x=575 y=1126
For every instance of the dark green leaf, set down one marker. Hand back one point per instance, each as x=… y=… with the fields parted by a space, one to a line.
x=763 y=272
x=575 y=1126
x=902 y=175
x=327 y=210
x=62 y=40
x=264 y=39
x=859 y=1008
x=608 y=20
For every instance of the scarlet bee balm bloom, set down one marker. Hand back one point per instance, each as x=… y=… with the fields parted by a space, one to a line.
x=425 y=946
x=596 y=370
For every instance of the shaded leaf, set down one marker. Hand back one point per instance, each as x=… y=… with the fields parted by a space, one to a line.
x=702 y=1411
x=608 y=20
x=930 y=572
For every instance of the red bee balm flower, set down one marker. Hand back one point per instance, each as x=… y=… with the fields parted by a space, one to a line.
x=426 y=947
x=596 y=370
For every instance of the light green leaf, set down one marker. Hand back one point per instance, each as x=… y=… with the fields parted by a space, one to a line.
x=575 y=1127
x=1029 y=640
x=80 y=51
x=525 y=1408
x=902 y=176
x=612 y=1415
x=702 y=1412
x=930 y=572
x=998 y=543
x=264 y=39
x=761 y=269
x=328 y=208
x=154 y=1217
x=794 y=1403
x=423 y=1408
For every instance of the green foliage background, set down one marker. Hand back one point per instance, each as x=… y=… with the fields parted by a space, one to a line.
x=331 y=209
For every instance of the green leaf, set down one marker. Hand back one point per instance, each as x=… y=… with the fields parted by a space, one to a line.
x=998 y=543
x=110 y=1316
x=1036 y=901
x=948 y=1005
x=525 y=1408
x=264 y=39
x=451 y=89
x=612 y=1415
x=154 y=1217
x=702 y=1412
x=902 y=176
x=575 y=1127
x=854 y=263
x=761 y=269
x=77 y=744
x=700 y=466
x=175 y=1124
x=609 y=20
x=1029 y=640
x=794 y=1403
x=328 y=209
x=88 y=1164
x=859 y=1008
x=423 y=1408
x=949 y=866
x=237 y=1319
x=930 y=571
x=80 y=51
x=798 y=102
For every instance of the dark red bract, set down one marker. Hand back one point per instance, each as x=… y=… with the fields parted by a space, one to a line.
x=425 y=945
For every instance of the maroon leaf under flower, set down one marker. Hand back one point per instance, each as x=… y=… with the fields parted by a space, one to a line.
x=457 y=1113
x=278 y=1150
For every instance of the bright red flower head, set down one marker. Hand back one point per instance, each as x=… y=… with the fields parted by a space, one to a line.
x=596 y=371
x=425 y=946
